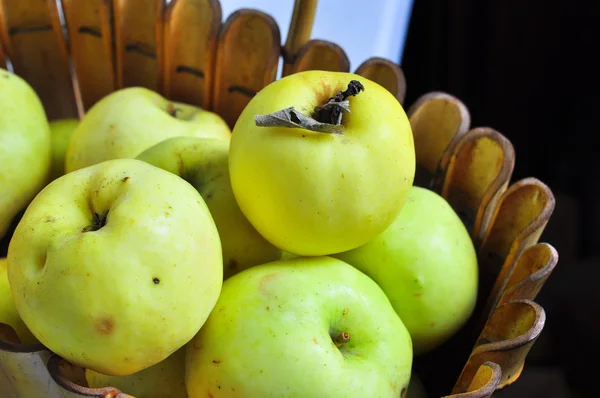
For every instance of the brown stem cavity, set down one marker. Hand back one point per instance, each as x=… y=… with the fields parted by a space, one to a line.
x=326 y=118
x=340 y=339
x=98 y=221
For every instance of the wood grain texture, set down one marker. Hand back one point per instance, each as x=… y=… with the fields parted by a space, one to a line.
x=321 y=55
x=138 y=38
x=478 y=171
x=247 y=59
x=89 y=26
x=32 y=38
x=191 y=31
x=299 y=32
x=386 y=73
x=437 y=119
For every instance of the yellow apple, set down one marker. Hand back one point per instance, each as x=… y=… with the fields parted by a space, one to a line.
x=427 y=265
x=322 y=192
x=24 y=147
x=8 y=312
x=166 y=379
x=129 y=120
x=203 y=163
x=61 y=131
x=115 y=266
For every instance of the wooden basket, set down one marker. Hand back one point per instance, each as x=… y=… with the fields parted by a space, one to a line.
x=74 y=52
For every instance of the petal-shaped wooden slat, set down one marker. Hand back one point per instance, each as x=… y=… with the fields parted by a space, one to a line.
x=386 y=73
x=32 y=37
x=437 y=120
x=478 y=172
x=517 y=223
x=484 y=382
x=247 y=59
x=138 y=36
x=71 y=380
x=23 y=371
x=191 y=32
x=89 y=26
x=321 y=55
x=2 y=57
x=299 y=32
x=534 y=266
x=506 y=340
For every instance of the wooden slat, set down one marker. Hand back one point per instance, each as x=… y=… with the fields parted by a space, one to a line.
x=299 y=32
x=516 y=224
x=386 y=73
x=2 y=56
x=484 y=382
x=437 y=120
x=138 y=35
x=321 y=55
x=505 y=340
x=33 y=40
x=247 y=59
x=479 y=169
x=191 y=30
x=89 y=25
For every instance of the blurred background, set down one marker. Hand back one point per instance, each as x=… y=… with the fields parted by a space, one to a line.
x=524 y=68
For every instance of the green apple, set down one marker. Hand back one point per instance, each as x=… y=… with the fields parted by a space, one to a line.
x=305 y=327
x=129 y=120
x=427 y=265
x=24 y=146
x=61 y=131
x=8 y=312
x=166 y=379
x=321 y=192
x=203 y=163
x=115 y=266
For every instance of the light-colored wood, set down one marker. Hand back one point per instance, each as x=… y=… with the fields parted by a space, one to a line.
x=386 y=73
x=321 y=55
x=137 y=33
x=438 y=120
x=534 y=266
x=191 y=31
x=478 y=172
x=38 y=54
x=247 y=59
x=516 y=224
x=89 y=26
x=299 y=32
x=505 y=340
x=484 y=382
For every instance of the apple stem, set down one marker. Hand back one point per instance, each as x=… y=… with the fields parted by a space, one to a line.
x=341 y=338
x=98 y=221
x=327 y=117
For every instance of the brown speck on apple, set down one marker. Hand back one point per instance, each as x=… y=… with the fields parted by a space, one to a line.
x=216 y=361
x=126 y=179
x=105 y=325
x=346 y=311
x=315 y=340
x=268 y=308
x=418 y=294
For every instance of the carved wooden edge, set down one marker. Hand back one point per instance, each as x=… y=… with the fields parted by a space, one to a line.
x=299 y=32
x=307 y=55
x=509 y=352
x=491 y=258
x=57 y=368
x=419 y=112
x=397 y=88
x=458 y=154
x=484 y=382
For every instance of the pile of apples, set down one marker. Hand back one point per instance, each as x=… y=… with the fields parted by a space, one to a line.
x=170 y=256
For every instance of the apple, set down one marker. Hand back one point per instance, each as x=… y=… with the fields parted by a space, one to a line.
x=61 y=132
x=115 y=266
x=305 y=327
x=324 y=187
x=204 y=163
x=166 y=379
x=8 y=312
x=127 y=121
x=427 y=265
x=24 y=146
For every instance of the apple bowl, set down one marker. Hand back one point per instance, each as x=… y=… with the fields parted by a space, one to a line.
x=73 y=53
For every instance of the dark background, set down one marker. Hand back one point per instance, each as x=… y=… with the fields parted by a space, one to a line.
x=529 y=69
